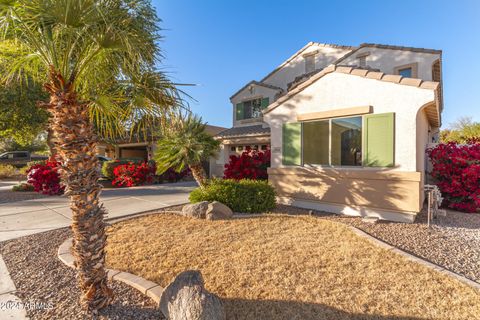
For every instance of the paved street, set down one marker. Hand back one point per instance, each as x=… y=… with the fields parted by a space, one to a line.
x=23 y=218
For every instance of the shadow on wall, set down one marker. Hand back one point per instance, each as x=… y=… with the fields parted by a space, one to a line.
x=335 y=187
x=240 y=309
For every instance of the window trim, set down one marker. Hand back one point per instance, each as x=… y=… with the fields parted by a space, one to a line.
x=413 y=66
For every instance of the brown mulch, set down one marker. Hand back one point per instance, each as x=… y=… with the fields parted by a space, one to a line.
x=40 y=277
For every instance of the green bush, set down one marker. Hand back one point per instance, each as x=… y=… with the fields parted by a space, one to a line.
x=7 y=171
x=33 y=163
x=23 y=187
x=244 y=195
x=108 y=166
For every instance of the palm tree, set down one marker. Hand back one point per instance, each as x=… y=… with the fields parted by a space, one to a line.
x=97 y=60
x=187 y=145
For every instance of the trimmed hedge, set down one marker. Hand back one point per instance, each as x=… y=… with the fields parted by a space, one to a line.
x=250 y=196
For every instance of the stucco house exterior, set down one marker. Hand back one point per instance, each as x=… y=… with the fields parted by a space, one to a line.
x=347 y=127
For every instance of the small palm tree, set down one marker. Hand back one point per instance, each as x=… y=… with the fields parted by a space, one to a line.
x=96 y=59
x=186 y=146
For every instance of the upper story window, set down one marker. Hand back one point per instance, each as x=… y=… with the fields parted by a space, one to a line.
x=309 y=63
x=250 y=109
x=362 y=59
x=407 y=70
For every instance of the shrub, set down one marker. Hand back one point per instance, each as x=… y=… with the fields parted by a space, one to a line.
x=173 y=176
x=109 y=166
x=133 y=174
x=251 y=164
x=22 y=187
x=45 y=178
x=34 y=162
x=456 y=169
x=245 y=195
x=7 y=171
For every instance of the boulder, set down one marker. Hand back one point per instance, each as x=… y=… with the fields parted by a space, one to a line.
x=195 y=210
x=218 y=211
x=187 y=299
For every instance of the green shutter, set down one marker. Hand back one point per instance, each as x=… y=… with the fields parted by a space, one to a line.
x=292 y=144
x=239 y=111
x=379 y=140
x=264 y=103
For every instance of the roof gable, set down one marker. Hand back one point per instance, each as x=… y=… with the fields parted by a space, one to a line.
x=256 y=83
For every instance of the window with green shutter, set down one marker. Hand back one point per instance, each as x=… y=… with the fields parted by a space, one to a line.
x=379 y=140
x=292 y=144
x=239 y=111
x=264 y=103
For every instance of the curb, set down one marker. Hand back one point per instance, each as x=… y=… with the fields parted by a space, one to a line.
x=414 y=258
x=149 y=288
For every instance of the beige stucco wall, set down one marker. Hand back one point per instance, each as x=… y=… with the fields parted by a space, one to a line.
x=379 y=189
x=387 y=59
x=339 y=90
x=296 y=67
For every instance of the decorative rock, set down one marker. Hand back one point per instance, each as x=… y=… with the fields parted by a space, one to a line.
x=195 y=210
x=218 y=211
x=187 y=299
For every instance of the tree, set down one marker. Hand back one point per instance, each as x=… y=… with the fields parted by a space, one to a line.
x=97 y=60
x=21 y=122
x=461 y=131
x=186 y=146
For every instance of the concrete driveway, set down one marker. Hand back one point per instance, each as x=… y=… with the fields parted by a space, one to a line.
x=23 y=218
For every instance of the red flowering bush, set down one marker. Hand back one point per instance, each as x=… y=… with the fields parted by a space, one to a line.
x=45 y=178
x=173 y=176
x=133 y=174
x=456 y=169
x=251 y=164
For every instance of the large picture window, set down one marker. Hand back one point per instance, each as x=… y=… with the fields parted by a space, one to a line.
x=367 y=140
x=333 y=142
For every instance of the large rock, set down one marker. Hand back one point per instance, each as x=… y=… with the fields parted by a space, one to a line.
x=218 y=211
x=195 y=210
x=187 y=299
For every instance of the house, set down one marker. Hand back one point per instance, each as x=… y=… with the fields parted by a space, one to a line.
x=347 y=127
x=139 y=147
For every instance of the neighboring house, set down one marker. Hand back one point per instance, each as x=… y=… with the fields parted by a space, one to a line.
x=347 y=127
x=140 y=148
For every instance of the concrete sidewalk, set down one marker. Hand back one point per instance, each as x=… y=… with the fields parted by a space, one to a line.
x=23 y=218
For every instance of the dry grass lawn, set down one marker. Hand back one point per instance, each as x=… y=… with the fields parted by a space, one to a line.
x=288 y=267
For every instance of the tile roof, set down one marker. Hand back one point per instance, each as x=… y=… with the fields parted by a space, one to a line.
x=255 y=130
x=357 y=72
x=266 y=85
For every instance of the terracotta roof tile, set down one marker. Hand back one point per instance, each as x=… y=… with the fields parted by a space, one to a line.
x=244 y=131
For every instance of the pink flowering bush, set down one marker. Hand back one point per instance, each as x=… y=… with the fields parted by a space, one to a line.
x=133 y=174
x=456 y=169
x=251 y=164
x=45 y=178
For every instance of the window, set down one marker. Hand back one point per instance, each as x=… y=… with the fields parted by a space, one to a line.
x=20 y=155
x=407 y=70
x=351 y=141
x=346 y=137
x=406 y=73
x=362 y=61
x=251 y=109
x=309 y=63
x=315 y=142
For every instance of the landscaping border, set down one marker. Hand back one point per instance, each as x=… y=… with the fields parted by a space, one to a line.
x=414 y=258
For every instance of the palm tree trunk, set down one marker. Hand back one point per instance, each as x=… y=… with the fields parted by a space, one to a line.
x=75 y=143
x=199 y=174
x=51 y=142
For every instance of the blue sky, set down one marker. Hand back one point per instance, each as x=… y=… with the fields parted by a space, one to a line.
x=221 y=45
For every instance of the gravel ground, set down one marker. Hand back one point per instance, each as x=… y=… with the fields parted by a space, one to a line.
x=10 y=196
x=40 y=277
x=452 y=242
